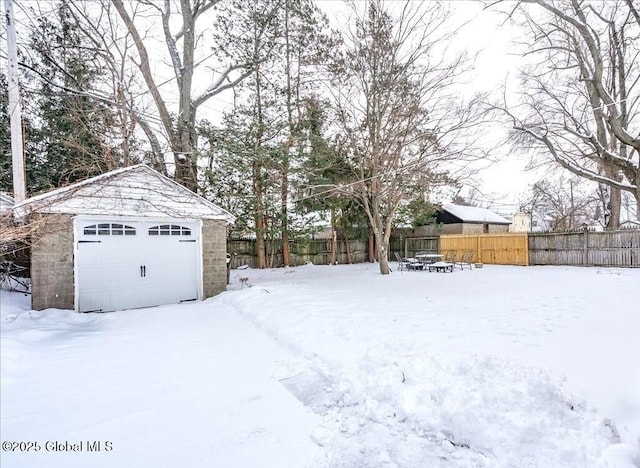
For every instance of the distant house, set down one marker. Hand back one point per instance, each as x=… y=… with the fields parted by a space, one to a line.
x=458 y=219
x=6 y=202
x=125 y=239
x=521 y=222
x=630 y=224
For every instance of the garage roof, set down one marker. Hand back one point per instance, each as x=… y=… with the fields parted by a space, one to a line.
x=137 y=191
x=474 y=214
x=6 y=201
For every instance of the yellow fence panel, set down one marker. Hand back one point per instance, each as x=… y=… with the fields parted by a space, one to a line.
x=496 y=248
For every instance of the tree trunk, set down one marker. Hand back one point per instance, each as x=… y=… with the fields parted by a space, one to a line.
x=334 y=239
x=284 y=215
x=286 y=251
x=185 y=161
x=381 y=247
x=272 y=254
x=347 y=248
x=383 y=262
x=383 y=258
x=636 y=195
x=371 y=248
x=615 y=204
x=259 y=216
x=615 y=199
x=260 y=244
x=260 y=220
x=157 y=155
x=284 y=183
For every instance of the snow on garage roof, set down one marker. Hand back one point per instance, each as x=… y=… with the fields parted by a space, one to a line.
x=6 y=201
x=473 y=214
x=131 y=191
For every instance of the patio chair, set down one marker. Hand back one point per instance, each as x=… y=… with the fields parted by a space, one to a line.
x=402 y=264
x=466 y=259
x=414 y=264
x=450 y=256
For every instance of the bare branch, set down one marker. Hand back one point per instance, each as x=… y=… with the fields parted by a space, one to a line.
x=145 y=68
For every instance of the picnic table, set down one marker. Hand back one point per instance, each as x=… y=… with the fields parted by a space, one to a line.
x=413 y=263
x=428 y=258
x=422 y=261
x=425 y=261
x=441 y=267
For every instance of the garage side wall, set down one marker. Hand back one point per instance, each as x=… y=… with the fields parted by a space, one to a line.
x=214 y=257
x=52 y=263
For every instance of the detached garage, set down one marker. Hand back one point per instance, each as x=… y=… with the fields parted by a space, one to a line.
x=126 y=239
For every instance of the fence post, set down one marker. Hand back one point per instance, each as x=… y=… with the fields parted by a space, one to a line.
x=585 y=245
x=403 y=246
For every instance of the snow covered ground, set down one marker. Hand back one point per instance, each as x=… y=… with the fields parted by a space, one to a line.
x=321 y=366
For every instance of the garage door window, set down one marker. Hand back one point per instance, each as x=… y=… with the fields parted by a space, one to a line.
x=169 y=230
x=109 y=229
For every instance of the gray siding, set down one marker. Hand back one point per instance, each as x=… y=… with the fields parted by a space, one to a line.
x=52 y=263
x=214 y=257
x=609 y=248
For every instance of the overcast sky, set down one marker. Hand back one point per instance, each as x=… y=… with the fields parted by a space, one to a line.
x=497 y=63
x=484 y=32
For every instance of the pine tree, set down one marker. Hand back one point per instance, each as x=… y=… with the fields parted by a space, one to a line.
x=5 y=138
x=69 y=143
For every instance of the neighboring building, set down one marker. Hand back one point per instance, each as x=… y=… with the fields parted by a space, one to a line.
x=125 y=239
x=521 y=222
x=542 y=223
x=458 y=219
x=6 y=202
x=630 y=224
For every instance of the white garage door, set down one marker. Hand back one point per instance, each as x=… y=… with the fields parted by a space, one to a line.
x=128 y=264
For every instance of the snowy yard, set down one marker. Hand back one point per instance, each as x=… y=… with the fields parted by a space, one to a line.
x=321 y=366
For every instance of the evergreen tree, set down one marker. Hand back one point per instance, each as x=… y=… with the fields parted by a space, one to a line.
x=327 y=178
x=264 y=141
x=5 y=138
x=35 y=172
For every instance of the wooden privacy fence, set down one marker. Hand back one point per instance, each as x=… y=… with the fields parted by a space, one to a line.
x=619 y=248
x=497 y=248
x=410 y=246
x=318 y=252
x=608 y=248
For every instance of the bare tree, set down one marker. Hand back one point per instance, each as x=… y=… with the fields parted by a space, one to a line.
x=182 y=28
x=398 y=109
x=115 y=85
x=71 y=113
x=564 y=203
x=580 y=99
x=104 y=36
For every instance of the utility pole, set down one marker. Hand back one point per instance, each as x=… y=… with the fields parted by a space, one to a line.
x=15 y=109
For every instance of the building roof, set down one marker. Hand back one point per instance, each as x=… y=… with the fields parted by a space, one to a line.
x=137 y=191
x=630 y=222
x=474 y=214
x=6 y=201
